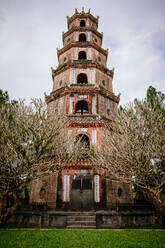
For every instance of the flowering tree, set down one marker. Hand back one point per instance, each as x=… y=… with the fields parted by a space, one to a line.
x=133 y=147
x=33 y=143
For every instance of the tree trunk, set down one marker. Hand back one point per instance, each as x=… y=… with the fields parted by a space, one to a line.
x=9 y=210
x=159 y=207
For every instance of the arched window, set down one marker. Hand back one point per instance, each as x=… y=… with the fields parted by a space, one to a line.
x=82 y=55
x=82 y=78
x=82 y=37
x=82 y=107
x=83 y=139
x=82 y=23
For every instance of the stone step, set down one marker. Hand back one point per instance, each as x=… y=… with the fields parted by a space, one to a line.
x=80 y=227
x=81 y=218
x=82 y=223
x=82 y=213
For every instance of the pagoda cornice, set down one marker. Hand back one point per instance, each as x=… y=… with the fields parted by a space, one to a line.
x=81 y=89
x=82 y=44
x=82 y=15
x=82 y=29
x=81 y=64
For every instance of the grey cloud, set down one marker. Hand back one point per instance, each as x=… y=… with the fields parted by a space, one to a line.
x=32 y=30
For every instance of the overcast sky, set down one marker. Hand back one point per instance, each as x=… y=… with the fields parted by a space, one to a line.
x=31 y=30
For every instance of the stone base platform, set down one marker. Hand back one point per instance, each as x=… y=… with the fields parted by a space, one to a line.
x=119 y=217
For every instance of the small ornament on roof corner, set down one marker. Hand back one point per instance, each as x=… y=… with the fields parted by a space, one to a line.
x=89 y=11
x=98 y=17
x=113 y=69
x=76 y=11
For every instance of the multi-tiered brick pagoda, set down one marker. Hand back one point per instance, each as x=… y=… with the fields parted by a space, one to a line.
x=82 y=90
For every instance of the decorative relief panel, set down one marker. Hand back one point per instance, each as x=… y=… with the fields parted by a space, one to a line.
x=83 y=96
x=82 y=129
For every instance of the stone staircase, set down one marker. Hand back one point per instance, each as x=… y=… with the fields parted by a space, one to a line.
x=81 y=220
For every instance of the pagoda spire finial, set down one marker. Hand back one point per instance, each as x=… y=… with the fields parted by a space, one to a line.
x=82 y=10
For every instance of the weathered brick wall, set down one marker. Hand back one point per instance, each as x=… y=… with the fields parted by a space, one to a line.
x=106 y=106
x=68 y=39
x=103 y=79
x=59 y=105
x=113 y=197
x=61 y=79
x=52 y=192
x=99 y=57
x=68 y=55
x=88 y=21
x=49 y=184
x=96 y=39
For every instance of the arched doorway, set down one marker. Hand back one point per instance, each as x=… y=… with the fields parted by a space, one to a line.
x=82 y=37
x=82 y=23
x=82 y=107
x=82 y=78
x=82 y=55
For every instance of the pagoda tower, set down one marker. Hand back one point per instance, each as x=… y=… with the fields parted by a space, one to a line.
x=82 y=90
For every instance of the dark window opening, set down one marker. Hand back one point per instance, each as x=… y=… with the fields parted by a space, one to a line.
x=82 y=107
x=103 y=82
x=99 y=59
x=108 y=111
x=76 y=183
x=68 y=39
x=82 y=55
x=83 y=139
x=42 y=193
x=82 y=78
x=95 y=40
x=119 y=192
x=65 y=59
x=60 y=83
x=82 y=182
x=82 y=37
x=87 y=183
x=82 y=23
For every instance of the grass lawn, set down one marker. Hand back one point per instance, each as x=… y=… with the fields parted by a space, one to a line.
x=82 y=238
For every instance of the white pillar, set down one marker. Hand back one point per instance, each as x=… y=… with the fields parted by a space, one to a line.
x=97 y=188
x=71 y=104
x=93 y=104
x=66 y=188
x=94 y=136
